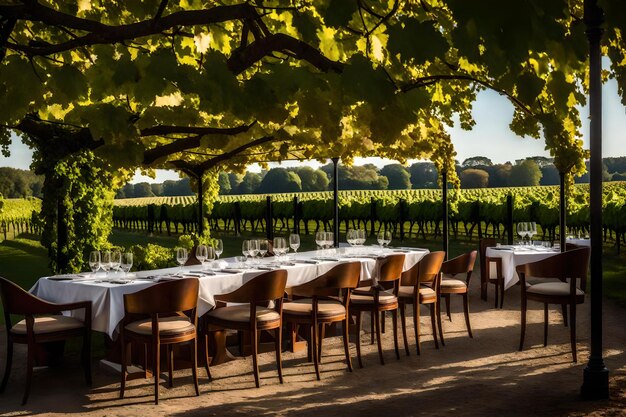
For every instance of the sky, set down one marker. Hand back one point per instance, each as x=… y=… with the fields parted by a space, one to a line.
x=490 y=137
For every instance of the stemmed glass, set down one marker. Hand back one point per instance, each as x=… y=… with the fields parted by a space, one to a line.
x=280 y=246
x=253 y=248
x=294 y=242
x=116 y=260
x=330 y=240
x=384 y=238
x=105 y=263
x=522 y=228
x=219 y=248
x=320 y=239
x=181 y=257
x=126 y=262
x=532 y=231
x=245 y=249
x=202 y=253
x=94 y=261
x=263 y=247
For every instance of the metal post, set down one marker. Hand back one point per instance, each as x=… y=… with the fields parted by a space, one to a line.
x=596 y=375
x=562 y=210
x=444 y=211
x=296 y=215
x=336 y=200
x=269 y=219
x=200 y=205
x=509 y=219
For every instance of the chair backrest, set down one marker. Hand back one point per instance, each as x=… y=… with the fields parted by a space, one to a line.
x=267 y=286
x=343 y=276
x=463 y=264
x=425 y=271
x=16 y=300
x=484 y=243
x=571 y=264
x=165 y=297
x=390 y=267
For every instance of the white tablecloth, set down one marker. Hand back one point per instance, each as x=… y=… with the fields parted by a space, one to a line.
x=517 y=256
x=108 y=298
x=579 y=242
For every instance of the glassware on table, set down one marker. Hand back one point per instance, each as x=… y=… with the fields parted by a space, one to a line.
x=264 y=246
x=320 y=239
x=202 y=253
x=105 y=262
x=245 y=249
x=294 y=241
x=522 y=230
x=280 y=246
x=330 y=240
x=532 y=230
x=181 y=257
x=94 y=261
x=126 y=262
x=384 y=238
x=116 y=260
x=351 y=237
x=253 y=248
x=219 y=248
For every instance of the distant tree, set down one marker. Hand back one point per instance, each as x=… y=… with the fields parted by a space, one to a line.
x=249 y=184
x=526 y=173
x=616 y=164
x=19 y=183
x=279 y=180
x=398 y=177
x=499 y=175
x=357 y=177
x=584 y=179
x=423 y=175
x=476 y=161
x=177 y=188
x=157 y=189
x=143 y=189
x=549 y=175
x=234 y=179
x=312 y=179
x=542 y=161
x=618 y=177
x=224 y=182
x=474 y=178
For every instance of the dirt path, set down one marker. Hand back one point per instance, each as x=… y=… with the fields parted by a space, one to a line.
x=483 y=376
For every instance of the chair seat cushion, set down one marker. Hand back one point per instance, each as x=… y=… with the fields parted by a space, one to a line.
x=552 y=288
x=452 y=283
x=304 y=307
x=49 y=324
x=384 y=297
x=167 y=326
x=534 y=281
x=406 y=291
x=241 y=313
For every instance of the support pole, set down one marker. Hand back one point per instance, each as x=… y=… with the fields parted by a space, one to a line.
x=336 y=200
x=596 y=375
x=296 y=215
x=562 y=211
x=444 y=211
x=200 y=204
x=509 y=219
x=269 y=219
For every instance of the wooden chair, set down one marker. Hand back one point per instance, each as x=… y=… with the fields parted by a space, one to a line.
x=322 y=306
x=42 y=323
x=463 y=264
x=490 y=271
x=420 y=285
x=255 y=316
x=171 y=307
x=571 y=265
x=376 y=300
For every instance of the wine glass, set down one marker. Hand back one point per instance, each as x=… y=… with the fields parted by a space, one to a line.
x=202 y=253
x=181 y=257
x=350 y=237
x=320 y=238
x=330 y=239
x=245 y=249
x=532 y=230
x=219 y=248
x=116 y=260
x=384 y=238
x=253 y=248
x=263 y=247
x=280 y=246
x=521 y=230
x=294 y=241
x=105 y=263
x=126 y=262
x=210 y=255
x=94 y=261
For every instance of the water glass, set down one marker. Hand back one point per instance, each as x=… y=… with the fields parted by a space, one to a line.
x=105 y=263
x=245 y=248
x=181 y=257
x=127 y=262
x=263 y=247
x=219 y=248
x=116 y=260
x=94 y=261
x=202 y=253
x=294 y=241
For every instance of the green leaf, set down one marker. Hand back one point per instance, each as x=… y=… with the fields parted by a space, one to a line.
x=339 y=12
x=416 y=40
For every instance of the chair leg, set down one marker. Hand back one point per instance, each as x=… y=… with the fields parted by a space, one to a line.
x=156 y=367
x=433 y=323
x=523 y=327
x=394 y=322
x=278 y=346
x=545 y=324
x=497 y=291
x=314 y=331
x=206 y=356
x=467 y=317
x=86 y=356
x=346 y=340
x=572 y=330
x=322 y=334
x=371 y=328
x=194 y=366
x=439 y=321
x=383 y=327
x=359 y=316
x=255 y=349
x=170 y=365
x=501 y=294
x=29 y=372
x=378 y=336
x=416 y=326
x=123 y=372
x=447 y=298
x=483 y=291
x=403 y=321
x=7 y=368
x=564 y=311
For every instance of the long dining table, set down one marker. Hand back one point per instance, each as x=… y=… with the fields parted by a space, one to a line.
x=107 y=292
x=512 y=256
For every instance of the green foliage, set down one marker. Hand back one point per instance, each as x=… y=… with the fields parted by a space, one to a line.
x=152 y=256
